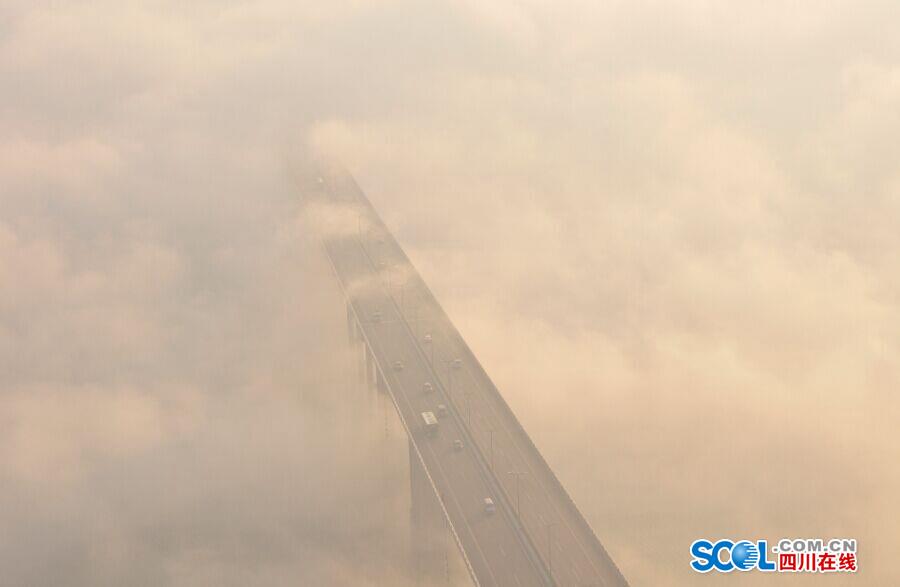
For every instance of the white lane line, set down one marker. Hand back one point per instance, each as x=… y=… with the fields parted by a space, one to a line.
x=475 y=383
x=478 y=415
x=440 y=467
x=436 y=460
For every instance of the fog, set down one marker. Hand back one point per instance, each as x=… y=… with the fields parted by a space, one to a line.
x=670 y=232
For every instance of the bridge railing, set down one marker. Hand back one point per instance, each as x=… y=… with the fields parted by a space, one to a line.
x=409 y=433
x=557 y=486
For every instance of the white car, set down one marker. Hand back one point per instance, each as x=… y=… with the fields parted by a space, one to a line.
x=427 y=387
x=427 y=339
x=489 y=507
x=398 y=365
x=376 y=316
x=457 y=363
x=442 y=411
x=457 y=445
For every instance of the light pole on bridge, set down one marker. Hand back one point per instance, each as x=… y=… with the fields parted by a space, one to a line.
x=449 y=374
x=428 y=340
x=467 y=394
x=491 y=433
x=517 y=475
x=550 y=526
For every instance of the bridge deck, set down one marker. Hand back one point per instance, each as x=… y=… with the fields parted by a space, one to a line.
x=549 y=535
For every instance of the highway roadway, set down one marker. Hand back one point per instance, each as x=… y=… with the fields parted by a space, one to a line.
x=416 y=330
x=490 y=542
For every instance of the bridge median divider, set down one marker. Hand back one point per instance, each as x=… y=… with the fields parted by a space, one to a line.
x=409 y=432
x=484 y=469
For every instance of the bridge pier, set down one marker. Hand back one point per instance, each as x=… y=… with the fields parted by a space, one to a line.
x=370 y=366
x=362 y=355
x=351 y=326
x=434 y=556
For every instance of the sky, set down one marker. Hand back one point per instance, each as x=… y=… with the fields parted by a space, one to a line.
x=669 y=230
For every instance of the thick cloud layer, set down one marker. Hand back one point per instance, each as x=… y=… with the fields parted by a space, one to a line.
x=177 y=407
x=670 y=230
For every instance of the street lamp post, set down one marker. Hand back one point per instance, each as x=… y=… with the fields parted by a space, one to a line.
x=467 y=394
x=403 y=288
x=449 y=377
x=517 y=475
x=430 y=343
x=491 y=433
x=550 y=526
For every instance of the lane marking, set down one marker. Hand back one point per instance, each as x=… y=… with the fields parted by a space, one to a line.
x=486 y=400
x=360 y=300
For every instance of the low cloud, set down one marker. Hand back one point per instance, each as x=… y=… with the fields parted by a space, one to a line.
x=668 y=231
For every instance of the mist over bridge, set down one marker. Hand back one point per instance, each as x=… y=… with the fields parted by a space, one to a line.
x=475 y=474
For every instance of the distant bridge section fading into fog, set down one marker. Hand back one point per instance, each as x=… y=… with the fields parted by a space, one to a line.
x=475 y=475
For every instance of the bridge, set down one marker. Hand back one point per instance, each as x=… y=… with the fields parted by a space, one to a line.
x=475 y=474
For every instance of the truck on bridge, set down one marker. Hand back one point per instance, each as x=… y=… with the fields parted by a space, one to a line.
x=430 y=423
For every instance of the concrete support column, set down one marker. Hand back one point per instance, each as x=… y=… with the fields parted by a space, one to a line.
x=351 y=325
x=369 y=366
x=379 y=382
x=362 y=354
